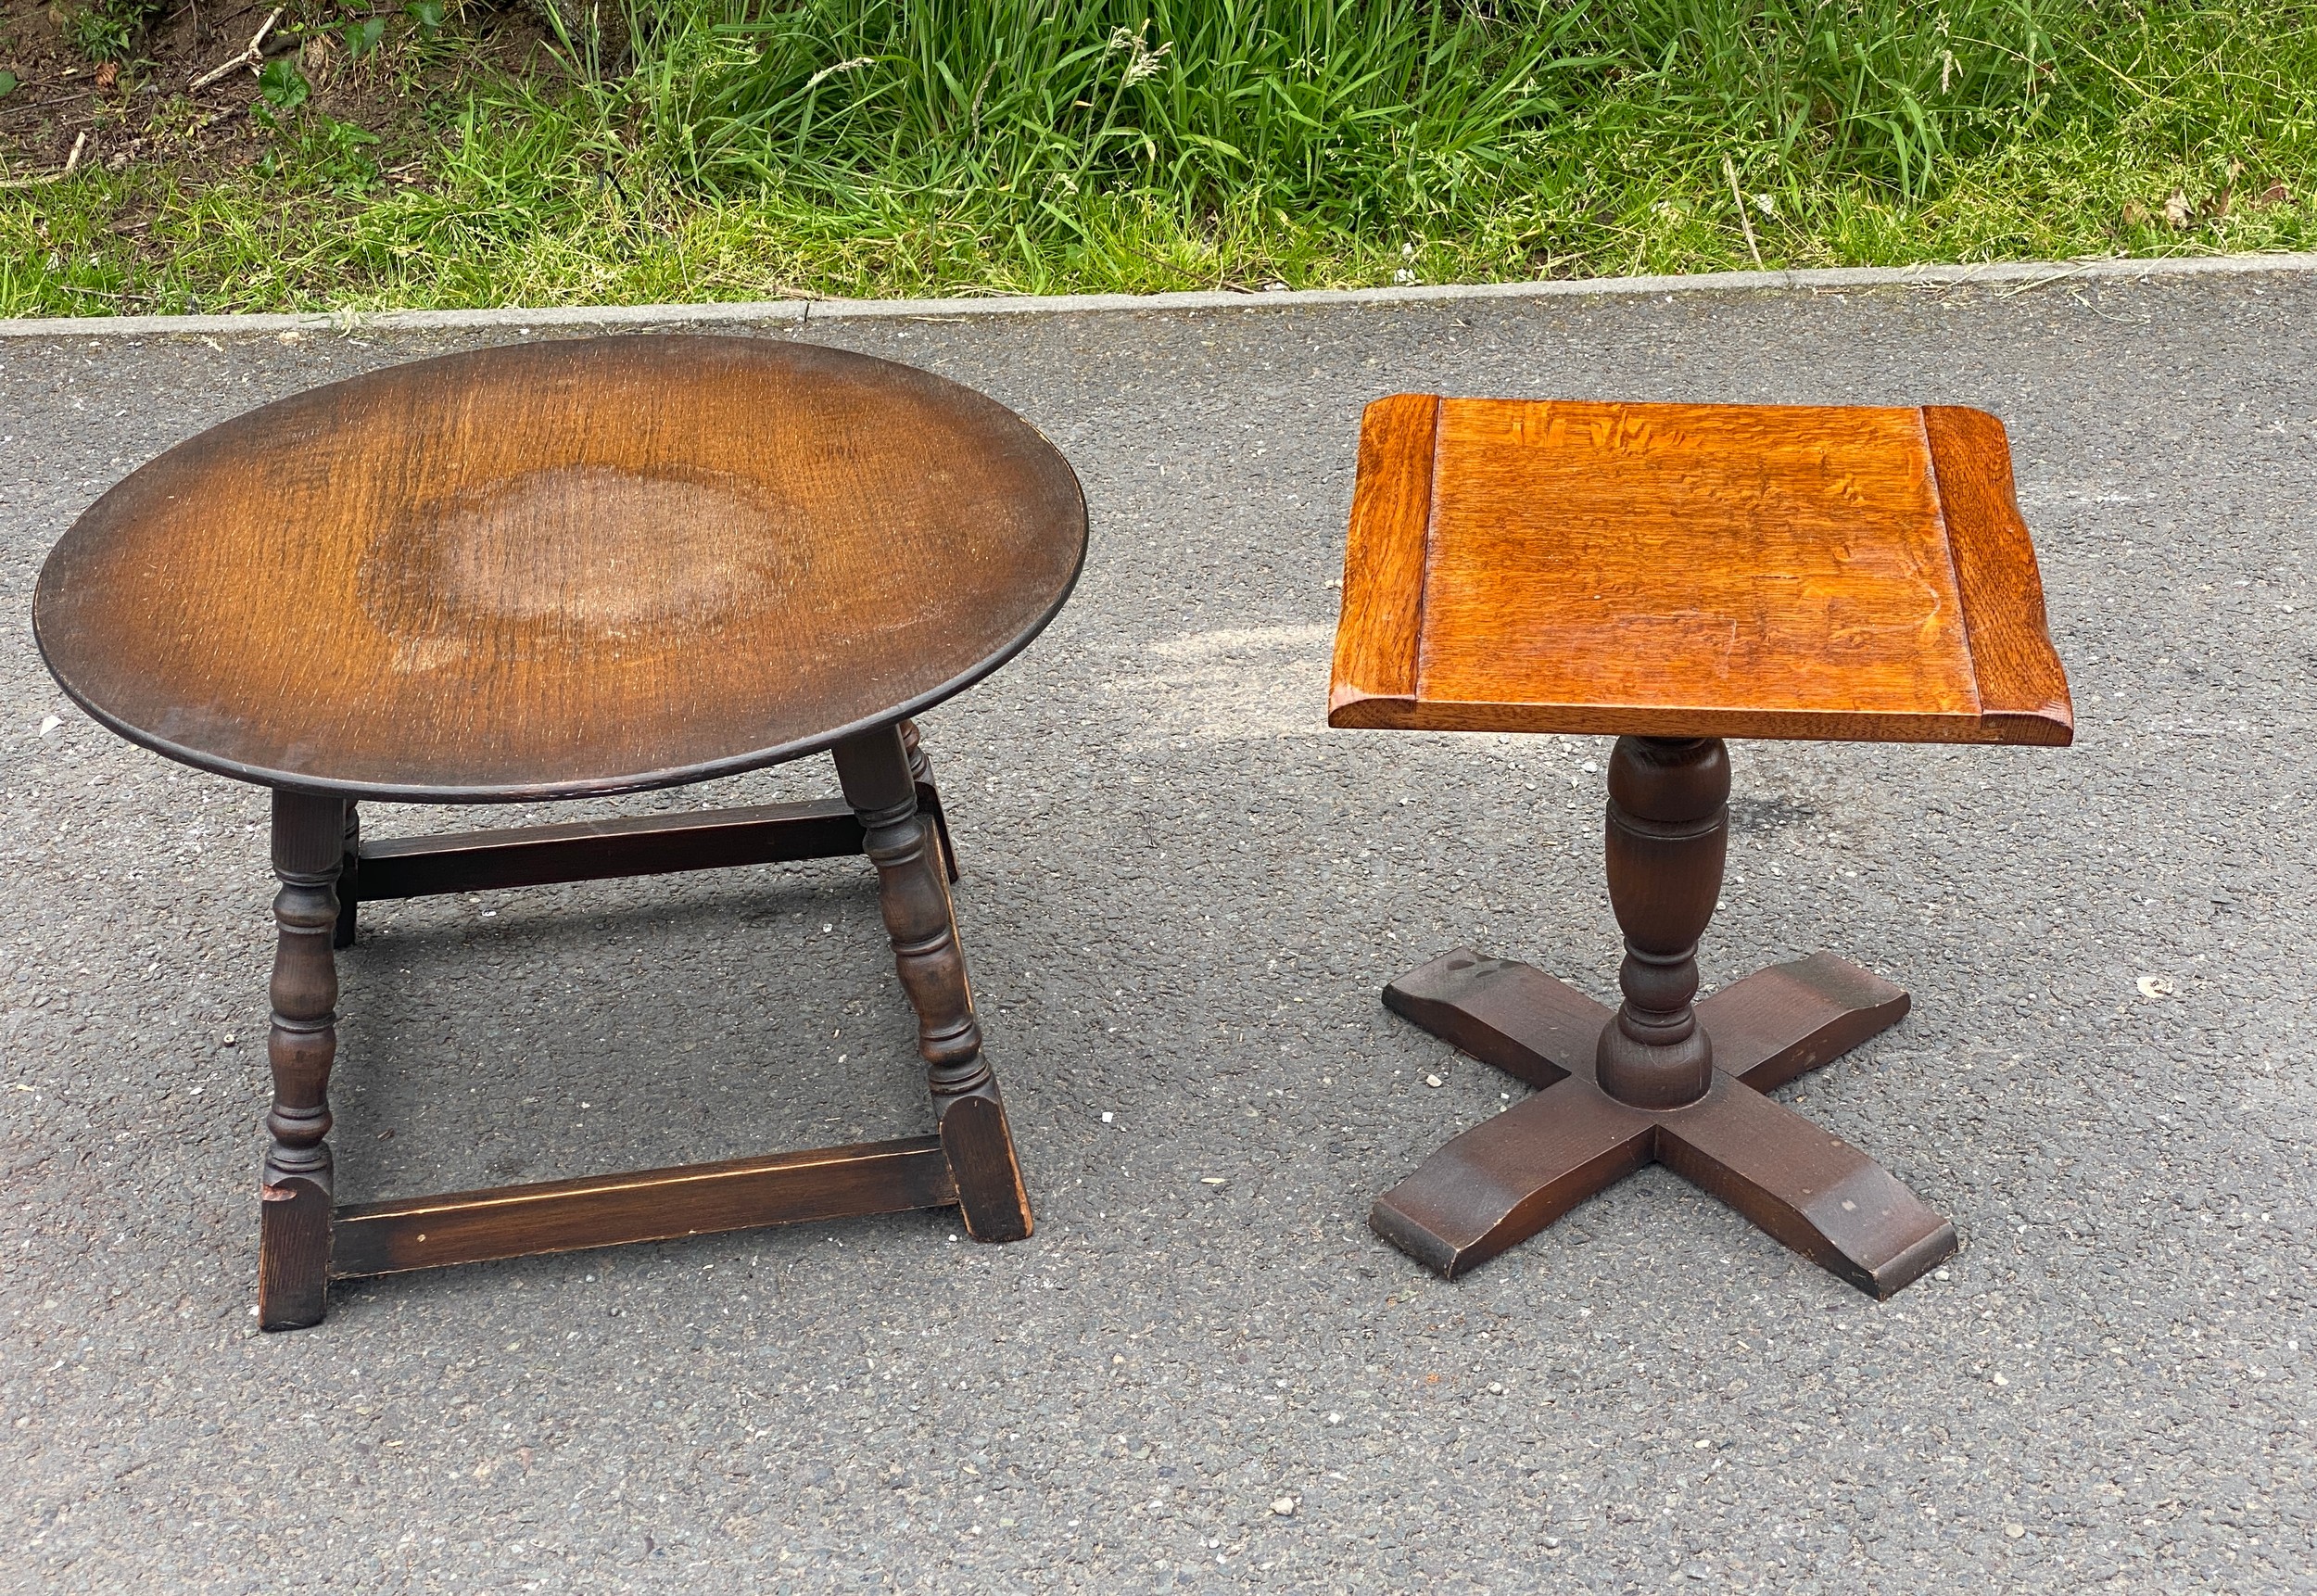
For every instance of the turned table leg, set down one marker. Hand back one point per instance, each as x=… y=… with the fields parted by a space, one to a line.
x=928 y=793
x=293 y=1232
x=913 y=892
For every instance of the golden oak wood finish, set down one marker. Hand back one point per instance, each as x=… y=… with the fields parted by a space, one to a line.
x=564 y=569
x=2020 y=682
x=1693 y=571
x=1376 y=645
x=1677 y=573
x=561 y=568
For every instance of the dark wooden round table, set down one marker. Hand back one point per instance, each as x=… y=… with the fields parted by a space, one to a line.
x=568 y=569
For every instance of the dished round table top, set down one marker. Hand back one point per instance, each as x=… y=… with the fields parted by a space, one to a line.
x=562 y=569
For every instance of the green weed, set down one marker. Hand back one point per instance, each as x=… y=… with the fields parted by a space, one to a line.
x=742 y=149
x=110 y=29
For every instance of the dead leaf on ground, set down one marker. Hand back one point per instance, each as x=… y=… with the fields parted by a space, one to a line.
x=2276 y=194
x=2177 y=211
x=2136 y=213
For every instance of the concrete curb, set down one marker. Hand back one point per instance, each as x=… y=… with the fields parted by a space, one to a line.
x=2018 y=275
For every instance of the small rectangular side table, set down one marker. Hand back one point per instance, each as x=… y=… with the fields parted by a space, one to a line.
x=1676 y=575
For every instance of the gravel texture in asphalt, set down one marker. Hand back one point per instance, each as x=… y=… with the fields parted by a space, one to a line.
x=1182 y=894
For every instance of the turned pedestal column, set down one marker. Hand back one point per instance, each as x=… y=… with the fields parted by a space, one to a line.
x=1661 y=1078
x=1667 y=833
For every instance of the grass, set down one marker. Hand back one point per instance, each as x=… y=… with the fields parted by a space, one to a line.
x=746 y=149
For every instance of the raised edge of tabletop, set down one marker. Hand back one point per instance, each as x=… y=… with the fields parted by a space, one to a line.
x=2022 y=686
x=80 y=612
x=1679 y=721
x=1377 y=635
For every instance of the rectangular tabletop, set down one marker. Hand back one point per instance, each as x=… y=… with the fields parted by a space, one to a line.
x=1692 y=570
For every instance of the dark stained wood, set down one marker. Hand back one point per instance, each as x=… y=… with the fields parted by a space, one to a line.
x=913 y=895
x=1780 y=1023
x=1384 y=561
x=1485 y=1192
x=1667 y=833
x=1507 y=1177
x=649 y=1205
x=1683 y=571
x=970 y=1162
x=294 y=1229
x=1512 y=1175
x=991 y=1202
x=2019 y=678
x=1771 y=1028
x=568 y=569
x=1813 y=1191
x=600 y=850
x=928 y=793
x=1661 y=1078
x=349 y=882
x=1504 y=1013
x=293 y=1253
x=561 y=568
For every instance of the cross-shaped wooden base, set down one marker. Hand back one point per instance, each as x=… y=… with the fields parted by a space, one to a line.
x=1506 y=1178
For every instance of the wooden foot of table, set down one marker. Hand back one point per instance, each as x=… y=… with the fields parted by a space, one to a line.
x=1509 y=1177
x=1506 y=1178
x=1660 y=1078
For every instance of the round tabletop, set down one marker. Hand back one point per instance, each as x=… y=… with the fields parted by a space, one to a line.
x=562 y=569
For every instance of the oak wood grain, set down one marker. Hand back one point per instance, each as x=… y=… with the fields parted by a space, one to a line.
x=1690 y=556
x=1678 y=571
x=2020 y=681
x=1384 y=560
x=562 y=568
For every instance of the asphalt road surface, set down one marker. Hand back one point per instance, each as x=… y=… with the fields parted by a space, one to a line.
x=1203 y=1374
